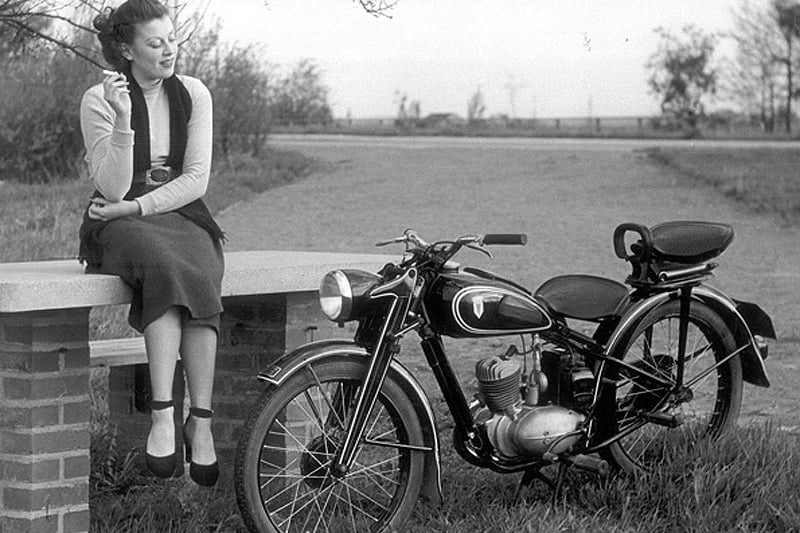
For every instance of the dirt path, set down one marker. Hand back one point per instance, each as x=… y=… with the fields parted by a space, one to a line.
x=567 y=197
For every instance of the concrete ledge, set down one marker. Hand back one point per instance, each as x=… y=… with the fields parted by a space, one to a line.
x=44 y=285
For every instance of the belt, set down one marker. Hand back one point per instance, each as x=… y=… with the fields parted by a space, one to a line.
x=158 y=175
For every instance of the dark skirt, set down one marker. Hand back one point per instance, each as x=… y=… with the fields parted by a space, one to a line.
x=168 y=261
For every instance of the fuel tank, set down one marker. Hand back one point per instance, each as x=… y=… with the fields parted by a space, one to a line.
x=474 y=304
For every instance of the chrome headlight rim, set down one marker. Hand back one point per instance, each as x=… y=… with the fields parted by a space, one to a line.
x=336 y=296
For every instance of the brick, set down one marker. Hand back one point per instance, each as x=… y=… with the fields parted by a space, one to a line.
x=77 y=467
x=76 y=412
x=61 y=440
x=262 y=308
x=242 y=362
x=57 y=386
x=40 y=470
x=29 y=416
x=18 y=499
x=234 y=407
x=256 y=335
x=26 y=361
x=44 y=524
x=76 y=521
x=19 y=333
x=230 y=383
x=76 y=357
x=121 y=404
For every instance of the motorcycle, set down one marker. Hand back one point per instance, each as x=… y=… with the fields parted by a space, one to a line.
x=344 y=436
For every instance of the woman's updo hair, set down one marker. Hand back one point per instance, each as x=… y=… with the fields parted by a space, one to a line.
x=115 y=27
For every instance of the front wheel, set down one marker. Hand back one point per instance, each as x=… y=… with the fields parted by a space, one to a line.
x=282 y=471
x=656 y=415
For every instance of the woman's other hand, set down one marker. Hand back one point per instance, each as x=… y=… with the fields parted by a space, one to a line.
x=117 y=94
x=102 y=209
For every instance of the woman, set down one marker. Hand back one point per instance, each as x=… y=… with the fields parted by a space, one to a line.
x=148 y=138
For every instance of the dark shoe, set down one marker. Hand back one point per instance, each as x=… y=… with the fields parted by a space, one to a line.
x=204 y=475
x=163 y=466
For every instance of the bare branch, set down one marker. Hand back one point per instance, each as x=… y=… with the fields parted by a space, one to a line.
x=378 y=8
x=77 y=50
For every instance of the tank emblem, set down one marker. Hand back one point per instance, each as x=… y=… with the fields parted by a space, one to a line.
x=477 y=306
x=484 y=310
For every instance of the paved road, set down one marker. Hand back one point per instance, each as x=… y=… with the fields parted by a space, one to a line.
x=567 y=195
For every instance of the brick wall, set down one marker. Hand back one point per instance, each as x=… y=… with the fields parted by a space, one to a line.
x=44 y=421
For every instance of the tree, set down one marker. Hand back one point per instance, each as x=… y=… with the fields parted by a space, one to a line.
x=476 y=107
x=681 y=74
x=753 y=78
x=240 y=85
x=35 y=20
x=301 y=97
x=787 y=16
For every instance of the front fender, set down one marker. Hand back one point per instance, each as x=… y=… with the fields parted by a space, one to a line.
x=293 y=361
x=753 y=368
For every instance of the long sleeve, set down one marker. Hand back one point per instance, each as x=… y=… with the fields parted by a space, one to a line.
x=193 y=181
x=109 y=151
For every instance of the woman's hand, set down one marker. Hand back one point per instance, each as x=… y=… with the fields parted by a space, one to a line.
x=117 y=94
x=102 y=209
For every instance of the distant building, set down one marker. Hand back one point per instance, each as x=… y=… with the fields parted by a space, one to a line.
x=439 y=120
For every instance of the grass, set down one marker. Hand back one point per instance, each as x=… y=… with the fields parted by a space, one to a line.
x=746 y=482
x=743 y=482
x=764 y=179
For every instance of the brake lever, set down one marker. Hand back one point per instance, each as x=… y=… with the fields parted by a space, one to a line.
x=480 y=249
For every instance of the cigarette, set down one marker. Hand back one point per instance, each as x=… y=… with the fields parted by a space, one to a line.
x=110 y=72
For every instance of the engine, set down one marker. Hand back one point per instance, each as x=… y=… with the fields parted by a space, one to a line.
x=540 y=416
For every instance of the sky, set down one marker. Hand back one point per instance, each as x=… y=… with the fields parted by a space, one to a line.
x=529 y=58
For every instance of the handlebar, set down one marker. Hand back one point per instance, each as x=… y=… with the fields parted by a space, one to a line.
x=510 y=239
x=441 y=251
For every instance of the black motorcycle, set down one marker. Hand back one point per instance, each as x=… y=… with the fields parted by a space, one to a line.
x=344 y=437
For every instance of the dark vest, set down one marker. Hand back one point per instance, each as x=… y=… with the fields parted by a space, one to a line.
x=180 y=111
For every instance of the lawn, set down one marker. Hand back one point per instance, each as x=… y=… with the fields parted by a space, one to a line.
x=710 y=489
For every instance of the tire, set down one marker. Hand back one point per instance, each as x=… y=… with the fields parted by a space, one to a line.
x=281 y=477
x=708 y=409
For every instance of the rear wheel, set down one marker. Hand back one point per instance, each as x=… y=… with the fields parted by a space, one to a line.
x=282 y=473
x=642 y=401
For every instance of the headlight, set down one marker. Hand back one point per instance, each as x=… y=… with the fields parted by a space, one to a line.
x=343 y=294
x=335 y=295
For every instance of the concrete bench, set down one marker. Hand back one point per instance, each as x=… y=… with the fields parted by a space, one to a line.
x=270 y=301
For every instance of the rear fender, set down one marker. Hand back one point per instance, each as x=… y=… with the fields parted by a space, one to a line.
x=291 y=362
x=752 y=358
x=753 y=369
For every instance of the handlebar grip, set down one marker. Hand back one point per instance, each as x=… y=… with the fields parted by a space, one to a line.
x=514 y=239
x=644 y=249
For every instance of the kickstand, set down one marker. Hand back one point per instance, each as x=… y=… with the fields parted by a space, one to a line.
x=562 y=473
x=532 y=474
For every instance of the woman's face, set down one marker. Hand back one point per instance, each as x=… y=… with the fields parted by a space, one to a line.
x=153 y=51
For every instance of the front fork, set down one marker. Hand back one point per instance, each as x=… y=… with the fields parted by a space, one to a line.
x=399 y=293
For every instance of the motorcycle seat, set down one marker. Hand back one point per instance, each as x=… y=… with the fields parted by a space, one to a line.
x=582 y=296
x=689 y=242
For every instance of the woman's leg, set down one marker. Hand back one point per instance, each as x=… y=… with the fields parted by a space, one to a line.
x=162 y=339
x=198 y=354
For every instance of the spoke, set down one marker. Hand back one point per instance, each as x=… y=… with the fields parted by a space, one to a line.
x=374 y=476
x=269 y=477
x=359 y=508
x=316 y=414
x=321 y=518
x=313 y=499
x=291 y=511
x=363 y=495
x=350 y=507
x=324 y=394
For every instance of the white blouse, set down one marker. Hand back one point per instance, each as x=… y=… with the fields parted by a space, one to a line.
x=109 y=151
